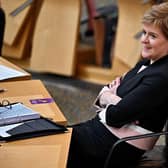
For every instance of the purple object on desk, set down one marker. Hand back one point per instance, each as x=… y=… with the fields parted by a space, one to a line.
x=41 y=101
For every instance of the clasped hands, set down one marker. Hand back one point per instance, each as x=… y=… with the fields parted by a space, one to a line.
x=108 y=94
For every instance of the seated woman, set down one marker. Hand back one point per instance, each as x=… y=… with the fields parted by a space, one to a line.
x=133 y=104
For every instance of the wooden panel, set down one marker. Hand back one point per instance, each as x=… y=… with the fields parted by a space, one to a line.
x=100 y=75
x=21 y=47
x=99 y=36
x=127 y=48
x=42 y=152
x=13 y=24
x=54 y=41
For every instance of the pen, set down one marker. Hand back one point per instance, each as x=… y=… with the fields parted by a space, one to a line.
x=2 y=90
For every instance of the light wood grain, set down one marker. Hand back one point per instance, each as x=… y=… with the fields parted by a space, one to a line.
x=42 y=152
x=13 y=24
x=55 y=38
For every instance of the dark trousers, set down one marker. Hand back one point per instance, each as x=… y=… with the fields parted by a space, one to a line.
x=90 y=145
x=2 y=28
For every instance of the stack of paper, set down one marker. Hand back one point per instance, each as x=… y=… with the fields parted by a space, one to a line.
x=16 y=113
x=8 y=73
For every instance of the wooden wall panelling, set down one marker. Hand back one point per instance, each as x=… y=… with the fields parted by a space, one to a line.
x=13 y=24
x=55 y=37
x=21 y=45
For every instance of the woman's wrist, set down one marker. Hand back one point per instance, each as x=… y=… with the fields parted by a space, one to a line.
x=108 y=98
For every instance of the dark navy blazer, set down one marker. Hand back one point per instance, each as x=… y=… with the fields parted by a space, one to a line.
x=144 y=97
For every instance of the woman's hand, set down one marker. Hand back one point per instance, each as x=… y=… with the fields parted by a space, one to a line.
x=108 y=97
x=108 y=94
x=114 y=85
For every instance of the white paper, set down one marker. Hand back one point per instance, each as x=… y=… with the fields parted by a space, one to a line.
x=7 y=73
x=4 y=129
x=17 y=113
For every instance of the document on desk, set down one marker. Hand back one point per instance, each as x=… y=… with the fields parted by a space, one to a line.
x=15 y=113
x=7 y=73
x=45 y=109
x=6 y=128
x=30 y=129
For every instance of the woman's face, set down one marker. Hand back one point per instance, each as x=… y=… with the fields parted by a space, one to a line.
x=154 y=43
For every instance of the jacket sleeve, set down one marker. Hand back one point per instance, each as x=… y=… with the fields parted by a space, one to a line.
x=140 y=101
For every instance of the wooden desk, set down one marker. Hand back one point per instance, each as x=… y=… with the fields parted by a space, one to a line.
x=23 y=91
x=11 y=65
x=42 y=152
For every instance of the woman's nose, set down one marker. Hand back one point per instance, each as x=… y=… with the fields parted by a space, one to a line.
x=144 y=39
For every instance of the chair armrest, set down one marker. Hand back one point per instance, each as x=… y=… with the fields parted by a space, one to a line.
x=129 y=139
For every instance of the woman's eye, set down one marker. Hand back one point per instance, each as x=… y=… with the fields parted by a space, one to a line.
x=153 y=36
x=143 y=32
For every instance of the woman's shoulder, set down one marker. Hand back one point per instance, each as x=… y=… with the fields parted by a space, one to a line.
x=159 y=69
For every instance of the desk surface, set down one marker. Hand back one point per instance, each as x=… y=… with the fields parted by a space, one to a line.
x=24 y=91
x=42 y=152
x=11 y=65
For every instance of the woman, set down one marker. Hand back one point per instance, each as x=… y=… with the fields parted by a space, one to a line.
x=133 y=104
